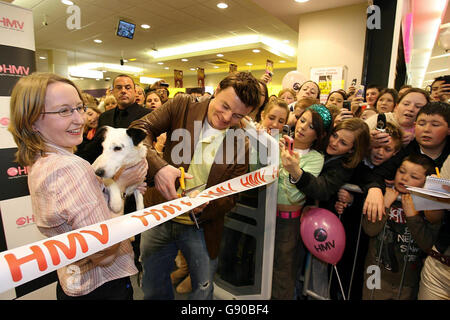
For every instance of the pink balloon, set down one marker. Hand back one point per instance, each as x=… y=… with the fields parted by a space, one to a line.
x=323 y=234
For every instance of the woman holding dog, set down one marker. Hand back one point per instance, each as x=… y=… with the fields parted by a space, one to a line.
x=47 y=124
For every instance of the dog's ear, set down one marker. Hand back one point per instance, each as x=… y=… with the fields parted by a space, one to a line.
x=137 y=135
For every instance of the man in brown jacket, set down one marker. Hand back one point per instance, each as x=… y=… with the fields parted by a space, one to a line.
x=198 y=139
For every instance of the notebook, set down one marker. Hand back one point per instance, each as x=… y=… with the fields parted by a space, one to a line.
x=432 y=196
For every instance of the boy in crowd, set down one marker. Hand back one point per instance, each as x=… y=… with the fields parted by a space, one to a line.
x=432 y=132
x=398 y=242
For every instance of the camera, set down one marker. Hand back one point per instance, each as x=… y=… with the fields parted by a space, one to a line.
x=348 y=105
x=381 y=122
x=121 y=62
x=287 y=131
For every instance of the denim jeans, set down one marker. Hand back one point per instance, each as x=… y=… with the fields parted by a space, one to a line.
x=159 y=247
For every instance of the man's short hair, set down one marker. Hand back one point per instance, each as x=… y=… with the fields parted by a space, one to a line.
x=124 y=75
x=246 y=87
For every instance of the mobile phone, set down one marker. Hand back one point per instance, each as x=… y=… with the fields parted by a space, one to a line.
x=354 y=82
x=288 y=131
x=289 y=144
x=348 y=105
x=381 y=122
x=360 y=91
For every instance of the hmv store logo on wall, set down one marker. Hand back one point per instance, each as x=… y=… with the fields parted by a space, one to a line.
x=13 y=177
x=14 y=64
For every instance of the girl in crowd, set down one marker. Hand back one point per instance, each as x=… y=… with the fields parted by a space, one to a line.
x=336 y=98
x=274 y=116
x=140 y=96
x=346 y=147
x=90 y=127
x=153 y=100
x=110 y=102
x=404 y=114
x=288 y=95
x=387 y=100
x=309 y=89
x=47 y=124
x=310 y=134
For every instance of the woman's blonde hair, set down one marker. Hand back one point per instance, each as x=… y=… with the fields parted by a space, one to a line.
x=26 y=105
x=276 y=102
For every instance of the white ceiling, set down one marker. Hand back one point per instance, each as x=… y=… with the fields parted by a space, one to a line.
x=176 y=23
x=173 y=23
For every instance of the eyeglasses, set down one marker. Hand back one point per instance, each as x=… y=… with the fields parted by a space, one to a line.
x=68 y=111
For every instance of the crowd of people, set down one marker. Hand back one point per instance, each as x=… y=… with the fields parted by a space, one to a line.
x=382 y=142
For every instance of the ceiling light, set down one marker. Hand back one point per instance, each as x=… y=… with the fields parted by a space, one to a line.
x=192 y=69
x=216 y=67
x=167 y=68
x=275 y=46
x=145 y=26
x=441 y=56
x=222 y=5
x=98 y=41
x=437 y=71
x=282 y=61
x=220 y=55
x=160 y=63
x=249 y=63
x=112 y=66
x=42 y=58
x=184 y=60
x=148 y=80
x=256 y=50
x=78 y=72
x=67 y=2
x=301 y=1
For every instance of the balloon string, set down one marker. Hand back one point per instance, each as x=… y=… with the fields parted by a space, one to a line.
x=340 y=284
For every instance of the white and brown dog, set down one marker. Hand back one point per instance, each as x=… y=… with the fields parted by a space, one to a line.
x=122 y=148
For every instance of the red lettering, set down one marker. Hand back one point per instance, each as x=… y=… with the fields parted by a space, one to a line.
x=153 y=212
x=102 y=237
x=22 y=170
x=14 y=263
x=170 y=208
x=70 y=252
x=186 y=203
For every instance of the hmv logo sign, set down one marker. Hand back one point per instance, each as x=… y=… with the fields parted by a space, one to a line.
x=11 y=24
x=17 y=172
x=14 y=70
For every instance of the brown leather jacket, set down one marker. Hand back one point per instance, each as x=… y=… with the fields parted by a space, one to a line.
x=182 y=112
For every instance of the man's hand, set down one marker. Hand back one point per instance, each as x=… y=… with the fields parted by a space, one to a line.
x=165 y=181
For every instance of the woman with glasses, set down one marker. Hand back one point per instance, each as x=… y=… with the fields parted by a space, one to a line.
x=47 y=121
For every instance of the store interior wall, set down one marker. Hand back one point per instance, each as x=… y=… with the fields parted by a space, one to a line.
x=332 y=38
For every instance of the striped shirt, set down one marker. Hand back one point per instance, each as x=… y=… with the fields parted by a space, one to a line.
x=67 y=195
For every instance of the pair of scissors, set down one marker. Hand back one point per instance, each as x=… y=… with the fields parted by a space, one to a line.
x=184 y=192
